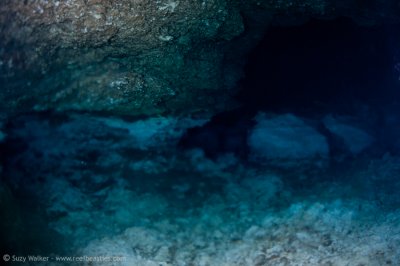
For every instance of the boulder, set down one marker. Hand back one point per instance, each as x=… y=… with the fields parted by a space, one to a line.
x=286 y=138
x=354 y=139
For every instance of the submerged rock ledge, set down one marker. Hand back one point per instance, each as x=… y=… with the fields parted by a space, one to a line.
x=142 y=57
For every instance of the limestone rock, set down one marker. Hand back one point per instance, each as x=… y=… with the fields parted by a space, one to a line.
x=142 y=57
x=286 y=138
x=354 y=138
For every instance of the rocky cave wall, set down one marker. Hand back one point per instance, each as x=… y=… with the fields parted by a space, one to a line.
x=143 y=57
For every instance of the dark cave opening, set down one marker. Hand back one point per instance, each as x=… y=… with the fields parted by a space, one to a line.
x=321 y=67
x=333 y=63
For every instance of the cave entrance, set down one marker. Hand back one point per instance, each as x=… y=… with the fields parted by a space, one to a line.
x=312 y=70
x=322 y=64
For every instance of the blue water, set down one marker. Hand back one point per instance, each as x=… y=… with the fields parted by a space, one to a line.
x=306 y=171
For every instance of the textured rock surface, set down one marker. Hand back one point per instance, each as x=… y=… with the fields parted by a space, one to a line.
x=101 y=187
x=141 y=56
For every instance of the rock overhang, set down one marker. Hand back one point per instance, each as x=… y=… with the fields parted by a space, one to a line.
x=142 y=57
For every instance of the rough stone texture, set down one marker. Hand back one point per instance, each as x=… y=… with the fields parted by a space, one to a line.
x=95 y=190
x=142 y=57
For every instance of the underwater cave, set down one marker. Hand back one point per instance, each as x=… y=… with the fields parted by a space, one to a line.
x=320 y=67
x=264 y=133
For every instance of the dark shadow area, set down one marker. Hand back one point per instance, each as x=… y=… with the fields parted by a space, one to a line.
x=312 y=70
x=322 y=64
x=225 y=133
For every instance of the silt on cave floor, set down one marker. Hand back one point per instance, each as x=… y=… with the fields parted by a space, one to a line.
x=94 y=186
